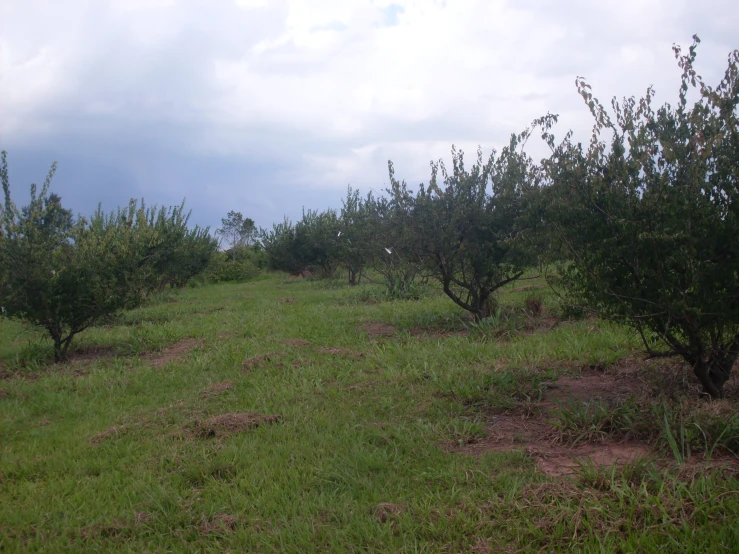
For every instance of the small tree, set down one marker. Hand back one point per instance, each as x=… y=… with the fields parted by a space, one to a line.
x=392 y=248
x=466 y=227
x=237 y=230
x=651 y=219
x=354 y=234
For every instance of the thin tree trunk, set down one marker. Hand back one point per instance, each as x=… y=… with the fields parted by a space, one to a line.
x=713 y=373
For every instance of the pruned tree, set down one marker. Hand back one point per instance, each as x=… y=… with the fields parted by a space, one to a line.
x=354 y=235
x=649 y=213
x=393 y=247
x=466 y=224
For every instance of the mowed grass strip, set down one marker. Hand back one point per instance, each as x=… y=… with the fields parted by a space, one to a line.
x=351 y=433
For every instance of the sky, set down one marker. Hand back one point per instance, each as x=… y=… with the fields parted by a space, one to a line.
x=268 y=107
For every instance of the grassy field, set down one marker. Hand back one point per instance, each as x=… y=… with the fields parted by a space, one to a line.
x=288 y=415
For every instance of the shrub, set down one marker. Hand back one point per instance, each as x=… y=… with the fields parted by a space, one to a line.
x=65 y=275
x=222 y=268
x=466 y=224
x=651 y=219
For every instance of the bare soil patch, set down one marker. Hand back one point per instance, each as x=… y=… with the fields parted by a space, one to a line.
x=363 y=385
x=340 y=352
x=507 y=433
x=113 y=529
x=173 y=353
x=297 y=342
x=378 y=329
x=592 y=386
x=258 y=361
x=217 y=388
x=229 y=424
x=435 y=333
x=387 y=511
x=112 y=432
x=633 y=377
x=539 y=438
x=90 y=354
x=142 y=517
x=219 y=523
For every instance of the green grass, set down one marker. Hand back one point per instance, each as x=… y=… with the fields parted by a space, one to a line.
x=106 y=455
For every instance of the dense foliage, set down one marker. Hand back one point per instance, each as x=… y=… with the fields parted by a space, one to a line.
x=64 y=274
x=651 y=219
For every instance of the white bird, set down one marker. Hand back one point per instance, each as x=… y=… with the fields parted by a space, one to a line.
x=388 y=251
x=339 y=234
x=53 y=272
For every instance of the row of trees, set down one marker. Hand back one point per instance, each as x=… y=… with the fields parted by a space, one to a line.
x=64 y=273
x=641 y=222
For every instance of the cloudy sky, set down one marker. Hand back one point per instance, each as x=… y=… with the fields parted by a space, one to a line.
x=265 y=106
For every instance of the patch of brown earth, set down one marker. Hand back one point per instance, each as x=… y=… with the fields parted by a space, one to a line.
x=173 y=353
x=88 y=355
x=286 y=300
x=297 y=342
x=108 y=530
x=112 y=432
x=540 y=439
x=482 y=545
x=340 y=352
x=228 y=424
x=507 y=433
x=360 y=386
x=592 y=387
x=378 y=329
x=219 y=523
x=217 y=388
x=434 y=333
x=387 y=511
x=258 y=361
x=142 y=517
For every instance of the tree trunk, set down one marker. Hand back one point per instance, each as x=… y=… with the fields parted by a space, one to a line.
x=713 y=373
x=61 y=346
